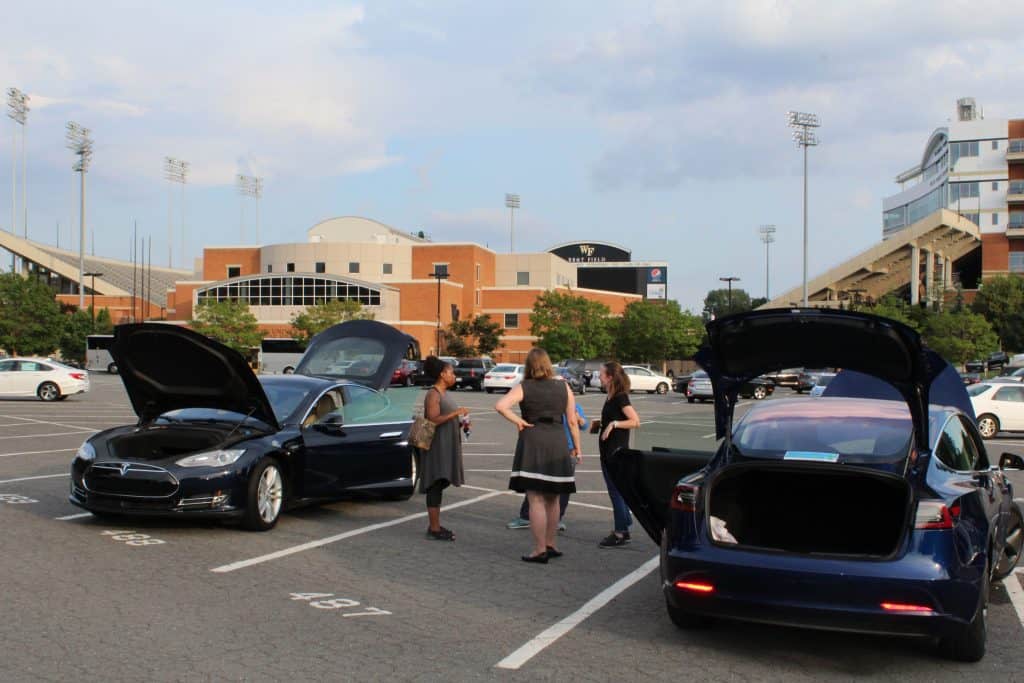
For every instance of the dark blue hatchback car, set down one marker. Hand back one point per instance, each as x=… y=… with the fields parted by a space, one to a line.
x=874 y=508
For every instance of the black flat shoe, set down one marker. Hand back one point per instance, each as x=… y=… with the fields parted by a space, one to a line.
x=552 y=553
x=539 y=559
x=441 y=535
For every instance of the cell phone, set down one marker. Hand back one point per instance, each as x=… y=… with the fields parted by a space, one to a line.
x=595 y=427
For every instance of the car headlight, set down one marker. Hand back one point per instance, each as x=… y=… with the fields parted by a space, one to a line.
x=218 y=458
x=86 y=451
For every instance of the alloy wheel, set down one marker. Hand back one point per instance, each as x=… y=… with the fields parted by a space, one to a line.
x=760 y=393
x=988 y=426
x=269 y=494
x=1011 y=547
x=49 y=391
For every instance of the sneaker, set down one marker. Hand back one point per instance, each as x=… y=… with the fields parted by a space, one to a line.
x=518 y=523
x=613 y=541
x=561 y=526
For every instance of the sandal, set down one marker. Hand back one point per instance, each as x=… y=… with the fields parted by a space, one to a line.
x=539 y=559
x=553 y=553
x=441 y=534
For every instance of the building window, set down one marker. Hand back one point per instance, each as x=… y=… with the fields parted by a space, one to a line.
x=995 y=219
x=270 y=267
x=523 y=277
x=234 y=271
x=290 y=290
x=995 y=185
x=353 y=266
x=440 y=270
x=973 y=217
x=385 y=268
x=512 y=320
x=478 y=272
x=320 y=267
x=959 y=191
x=995 y=144
x=477 y=297
x=290 y=267
x=962 y=149
x=1016 y=219
x=1017 y=261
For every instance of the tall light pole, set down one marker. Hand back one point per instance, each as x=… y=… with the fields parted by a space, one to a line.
x=440 y=273
x=251 y=186
x=730 y=279
x=92 y=305
x=17 y=105
x=79 y=141
x=512 y=202
x=802 y=124
x=767 y=236
x=176 y=171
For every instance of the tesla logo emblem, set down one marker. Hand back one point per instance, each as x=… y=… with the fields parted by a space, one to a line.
x=124 y=468
x=587 y=250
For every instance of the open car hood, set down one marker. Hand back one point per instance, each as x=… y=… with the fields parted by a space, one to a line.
x=165 y=367
x=363 y=351
x=741 y=347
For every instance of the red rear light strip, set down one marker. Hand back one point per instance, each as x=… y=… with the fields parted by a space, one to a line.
x=904 y=607
x=695 y=586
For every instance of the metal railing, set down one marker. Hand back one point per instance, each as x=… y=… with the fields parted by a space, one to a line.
x=1016 y=187
x=1016 y=146
x=1016 y=219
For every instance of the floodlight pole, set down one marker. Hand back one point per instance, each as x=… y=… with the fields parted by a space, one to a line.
x=512 y=202
x=767 y=236
x=250 y=186
x=80 y=143
x=17 y=103
x=803 y=122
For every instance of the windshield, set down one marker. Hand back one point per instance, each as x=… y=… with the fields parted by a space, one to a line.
x=823 y=380
x=284 y=399
x=865 y=437
x=978 y=389
x=505 y=368
x=208 y=415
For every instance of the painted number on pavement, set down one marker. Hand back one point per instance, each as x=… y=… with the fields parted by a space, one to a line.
x=131 y=537
x=328 y=601
x=15 y=499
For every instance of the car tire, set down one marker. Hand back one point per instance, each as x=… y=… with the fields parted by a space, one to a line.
x=760 y=393
x=690 y=399
x=489 y=390
x=1012 y=543
x=112 y=368
x=288 y=371
x=266 y=491
x=686 y=620
x=48 y=391
x=988 y=426
x=969 y=644
x=583 y=388
x=662 y=388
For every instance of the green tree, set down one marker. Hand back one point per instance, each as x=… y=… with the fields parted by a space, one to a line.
x=104 y=324
x=229 y=322
x=653 y=332
x=716 y=303
x=77 y=325
x=30 y=318
x=896 y=309
x=960 y=336
x=317 y=318
x=570 y=326
x=1001 y=301
x=479 y=336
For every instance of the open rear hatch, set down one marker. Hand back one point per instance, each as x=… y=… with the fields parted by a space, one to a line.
x=363 y=351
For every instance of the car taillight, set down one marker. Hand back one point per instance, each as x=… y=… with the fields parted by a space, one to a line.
x=933 y=514
x=904 y=607
x=684 y=497
x=77 y=375
x=472 y=373
x=695 y=586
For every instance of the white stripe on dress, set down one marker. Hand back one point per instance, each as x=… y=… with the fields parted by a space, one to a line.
x=544 y=477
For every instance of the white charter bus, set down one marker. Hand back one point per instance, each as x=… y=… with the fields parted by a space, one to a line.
x=97 y=353
x=280 y=356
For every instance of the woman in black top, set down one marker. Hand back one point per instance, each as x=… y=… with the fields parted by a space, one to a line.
x=617 y=418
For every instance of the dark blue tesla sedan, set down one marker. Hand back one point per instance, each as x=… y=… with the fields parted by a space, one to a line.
x=875 y=508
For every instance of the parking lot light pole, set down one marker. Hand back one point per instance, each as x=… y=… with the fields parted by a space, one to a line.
x=440 y=273
x=729 y=280
x=512 y=202
x=79 y=141
x=802 y=123
x=767 y=236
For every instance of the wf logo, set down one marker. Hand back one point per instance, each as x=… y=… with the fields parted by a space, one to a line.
x=587 y=250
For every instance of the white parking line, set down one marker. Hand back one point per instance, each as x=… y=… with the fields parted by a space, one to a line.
x=1016 y=594
x=708 y=436
x=41 y=436
x=78 y=516
x=223 y=569
x=506 y=471
x=553 y=633
x=49 y=424
x=56 y=450
x=41 y=476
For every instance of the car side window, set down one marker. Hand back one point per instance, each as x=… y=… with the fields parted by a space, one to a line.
x=364 y=405
x=1013 y=394
x=326 y=410
x=952 y=449
x=8 y=366
x=31 y=366
x=975 y=448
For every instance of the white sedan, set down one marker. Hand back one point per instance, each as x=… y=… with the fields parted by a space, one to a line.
x=503 y=377
x=999 y=407
x=46 y=379
x=642 y=379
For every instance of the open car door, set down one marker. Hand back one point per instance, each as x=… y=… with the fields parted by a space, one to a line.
x=646 y=480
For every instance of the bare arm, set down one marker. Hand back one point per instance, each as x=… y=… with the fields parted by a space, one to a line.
x=573 y=420
x=632 y=421
x=432 y=409
x=505 y=404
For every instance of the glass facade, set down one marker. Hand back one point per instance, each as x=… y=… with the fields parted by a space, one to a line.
x=285 y=290
x=958 y=191
x=957 y=150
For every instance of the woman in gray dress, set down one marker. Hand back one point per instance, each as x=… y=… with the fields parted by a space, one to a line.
x=542 y=467
x=441 y=465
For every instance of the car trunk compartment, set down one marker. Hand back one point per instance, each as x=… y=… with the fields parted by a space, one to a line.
x=164 y=442
x=819 y=510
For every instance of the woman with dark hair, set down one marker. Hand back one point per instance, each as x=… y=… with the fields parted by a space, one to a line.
x=441 y=465
x=542 y=467
x=617 y=418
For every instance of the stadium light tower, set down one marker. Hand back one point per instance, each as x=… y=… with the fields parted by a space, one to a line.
x=767 y=236
x=512 y=202
x=17 y=105
x=79 y=141
x=802 y=124
x=176 y=171
x=251 y=186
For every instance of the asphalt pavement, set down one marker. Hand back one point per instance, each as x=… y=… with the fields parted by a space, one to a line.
x=353 y=590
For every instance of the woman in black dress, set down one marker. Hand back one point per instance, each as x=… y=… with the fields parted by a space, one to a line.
x=617 y=417
x=542 y=467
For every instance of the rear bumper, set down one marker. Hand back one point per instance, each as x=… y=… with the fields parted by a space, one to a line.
x=822 y=594
x=74 y=387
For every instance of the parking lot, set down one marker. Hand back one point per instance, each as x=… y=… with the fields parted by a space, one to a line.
x=353 y=590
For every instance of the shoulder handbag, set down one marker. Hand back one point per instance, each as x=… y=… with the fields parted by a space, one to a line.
x=422 y=433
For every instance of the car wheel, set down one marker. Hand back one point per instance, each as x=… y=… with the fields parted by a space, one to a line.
x=690 y=399
x=686 y=620
x=760 y=393
x=265 y=496
x=408 y=381
x=1012 y=544
x=288 y=370
x=112 y=368
x=988 y=426
x=969 y=644
x=48 y=391
x=662 y=388
x=489 y=390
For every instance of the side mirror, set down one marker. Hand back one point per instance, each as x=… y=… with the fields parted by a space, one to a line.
x=1011 y=461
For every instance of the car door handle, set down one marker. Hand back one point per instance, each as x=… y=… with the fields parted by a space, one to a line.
x=391 y=435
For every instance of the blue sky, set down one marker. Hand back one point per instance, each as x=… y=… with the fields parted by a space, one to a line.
x=656 y=125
